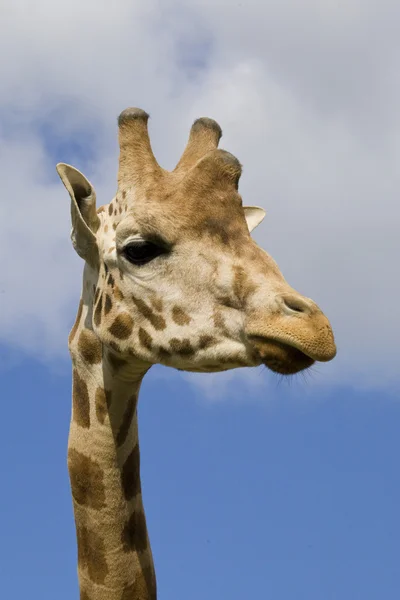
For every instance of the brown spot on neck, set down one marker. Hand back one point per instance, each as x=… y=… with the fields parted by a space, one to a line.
x=144 y=586
x=126 y=420
x=134 y=533
x=86 y=480
x=90 y=347
x=80 y=401
x=102 y=403
x=130 y=474
x=91 y=554
x=122 y=326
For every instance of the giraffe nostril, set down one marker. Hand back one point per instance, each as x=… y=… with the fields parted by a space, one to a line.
x=295 y=304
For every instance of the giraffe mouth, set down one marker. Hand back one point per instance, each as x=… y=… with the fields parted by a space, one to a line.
x=281 y=357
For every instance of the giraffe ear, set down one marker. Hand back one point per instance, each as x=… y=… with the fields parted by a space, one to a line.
x=85 y=220
x=254 y=215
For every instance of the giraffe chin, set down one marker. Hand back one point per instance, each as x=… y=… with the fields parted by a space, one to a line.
x=282 y=358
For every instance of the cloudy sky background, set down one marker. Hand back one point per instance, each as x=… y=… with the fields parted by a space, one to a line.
x=308 y=96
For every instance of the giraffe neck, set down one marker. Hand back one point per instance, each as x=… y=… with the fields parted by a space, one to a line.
x=114 y=555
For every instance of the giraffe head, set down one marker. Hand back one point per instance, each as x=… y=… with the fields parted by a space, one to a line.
x=172 y=274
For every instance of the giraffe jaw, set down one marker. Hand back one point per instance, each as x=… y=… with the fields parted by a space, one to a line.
x=281 y=357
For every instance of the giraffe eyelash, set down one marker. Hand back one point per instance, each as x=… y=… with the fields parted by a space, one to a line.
x=142 y=252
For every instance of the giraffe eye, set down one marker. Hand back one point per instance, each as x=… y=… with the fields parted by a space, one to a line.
x=140 y=253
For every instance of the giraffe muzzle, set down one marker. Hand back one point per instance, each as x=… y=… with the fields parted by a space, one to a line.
x=295 y=336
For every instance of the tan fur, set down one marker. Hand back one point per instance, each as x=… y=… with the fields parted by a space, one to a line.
x=212 y=301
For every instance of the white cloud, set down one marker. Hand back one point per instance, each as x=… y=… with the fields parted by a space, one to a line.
x=307 y=95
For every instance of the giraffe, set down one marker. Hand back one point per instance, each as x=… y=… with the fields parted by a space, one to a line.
x=171 y=276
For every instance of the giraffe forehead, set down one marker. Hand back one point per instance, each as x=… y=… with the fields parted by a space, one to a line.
x=185 y=212
x=176 y=211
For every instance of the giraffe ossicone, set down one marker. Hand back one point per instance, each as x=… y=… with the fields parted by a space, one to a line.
x=171 y=276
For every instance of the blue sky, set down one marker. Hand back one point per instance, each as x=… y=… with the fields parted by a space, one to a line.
x=276 y=495
x=253 y=488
